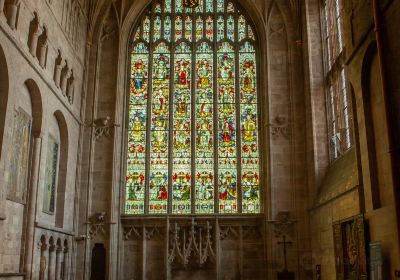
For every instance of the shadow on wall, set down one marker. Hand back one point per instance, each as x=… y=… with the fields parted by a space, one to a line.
x=4 y=87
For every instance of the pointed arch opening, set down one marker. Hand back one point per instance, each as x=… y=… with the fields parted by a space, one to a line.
x=193 y=113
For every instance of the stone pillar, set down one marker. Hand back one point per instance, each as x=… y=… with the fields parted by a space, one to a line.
x=42 y=262
x=52 y=262
x=2 y=8
x=43 y=54
x=57 y=70
x=34 y=32
x=64 y=274
x=31 y=204
x=12 y=11
x=59 y=253
x=64 y=79
x=70 y=88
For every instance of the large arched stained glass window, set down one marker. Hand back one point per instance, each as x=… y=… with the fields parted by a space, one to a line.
x=192 y=123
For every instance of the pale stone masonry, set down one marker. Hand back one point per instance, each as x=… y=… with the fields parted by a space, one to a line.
x=64 y=64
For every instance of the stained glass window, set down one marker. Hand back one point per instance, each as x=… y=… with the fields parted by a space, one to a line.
x=193 y=116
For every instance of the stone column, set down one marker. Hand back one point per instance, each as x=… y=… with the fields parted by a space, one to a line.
x=70 y=88
x=31 y=204
x=57 y=74
x=64 y=80
x=64 y=274
x=34 y=32
x=42 y=262
x=2 y=8
x=43 y=54
x=59 y=253
x=12 y=11
x=52 y=262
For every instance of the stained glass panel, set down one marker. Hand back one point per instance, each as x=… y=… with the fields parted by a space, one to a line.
x=220 y=28
x=199 y=8
x=231 y=28
x=242 y=28
x=168 y=6
x=167 y=28
x=146 y=29
x=249 y=132
x=196 y=106
x=204 y=130
x=220 y=6
x=209 y=28
x=157 y=9
x=227 y=129
x=157 y=28
x=178 y=28
x=188 y=28
x=250 y=32
x=178 y=6
x=199 y=29
x=209 y=6
x=181 y=175
x=230 y=8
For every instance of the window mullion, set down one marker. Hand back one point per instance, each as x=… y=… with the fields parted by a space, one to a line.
x=238 y=130
x=193 y=115
x=148 y=128
x=171 y=110
x=215 y=111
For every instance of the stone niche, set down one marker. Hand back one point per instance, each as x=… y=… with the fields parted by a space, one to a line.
x=193 y=248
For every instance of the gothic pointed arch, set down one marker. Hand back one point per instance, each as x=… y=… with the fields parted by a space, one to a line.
x=192 y=122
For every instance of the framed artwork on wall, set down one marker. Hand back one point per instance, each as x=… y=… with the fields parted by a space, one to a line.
x=350 y=249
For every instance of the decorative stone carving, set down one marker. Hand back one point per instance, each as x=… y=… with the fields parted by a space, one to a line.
x=42 y=48
x=280 y=128
x=57 y=69
x=226 y=232
x=11 y=11
x=191 y=242
x=131 y=232
x=109 y=28
x=71 y=87
x=97 y=225
x=64 y=78
x=103 y=127
x=34 y=32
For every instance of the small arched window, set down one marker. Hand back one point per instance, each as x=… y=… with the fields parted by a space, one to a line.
x=192 y=123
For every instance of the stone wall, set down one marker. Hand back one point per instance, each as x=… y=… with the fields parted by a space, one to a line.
x=360 y=182
x=44 y=64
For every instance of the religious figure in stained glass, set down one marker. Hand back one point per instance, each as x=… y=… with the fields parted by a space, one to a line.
x=192 y=121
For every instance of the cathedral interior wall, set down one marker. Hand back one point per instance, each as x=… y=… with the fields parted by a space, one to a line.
x=64 y=70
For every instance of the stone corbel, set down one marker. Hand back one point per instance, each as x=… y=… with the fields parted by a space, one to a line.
x=280 y=128
x=103 y=127
x=283 y=225
x=98 y=226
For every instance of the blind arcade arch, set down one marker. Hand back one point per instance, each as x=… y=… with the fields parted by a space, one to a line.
x=192 y=121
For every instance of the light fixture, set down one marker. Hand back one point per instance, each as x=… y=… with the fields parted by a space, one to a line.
x=190 y=3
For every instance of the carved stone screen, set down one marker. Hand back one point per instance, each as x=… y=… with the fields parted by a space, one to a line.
x=17 y=174
x=192 y=124
x=51 y=175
